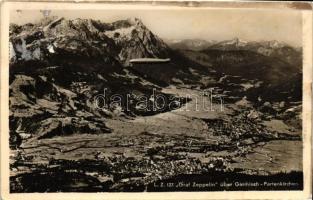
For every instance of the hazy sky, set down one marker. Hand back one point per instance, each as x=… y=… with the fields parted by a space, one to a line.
x=213 y=24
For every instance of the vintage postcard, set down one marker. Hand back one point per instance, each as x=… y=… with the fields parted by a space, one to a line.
x=156 y=100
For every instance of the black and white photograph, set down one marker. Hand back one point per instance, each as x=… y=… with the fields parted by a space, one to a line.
x=155 y=100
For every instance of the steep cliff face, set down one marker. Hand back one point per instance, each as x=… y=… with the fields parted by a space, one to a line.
x=92 y=46
x=136 y=41
x=107 y=43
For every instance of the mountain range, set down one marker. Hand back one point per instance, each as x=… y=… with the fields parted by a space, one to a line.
x=57 y=66
x=273 y=48
x=224 y=105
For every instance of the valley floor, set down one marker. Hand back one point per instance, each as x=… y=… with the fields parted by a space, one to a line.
x=141 y=152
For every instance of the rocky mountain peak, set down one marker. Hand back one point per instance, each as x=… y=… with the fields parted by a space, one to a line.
x=135 y=21
x=236 y=41
x=121 y=40
x=129 y=22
